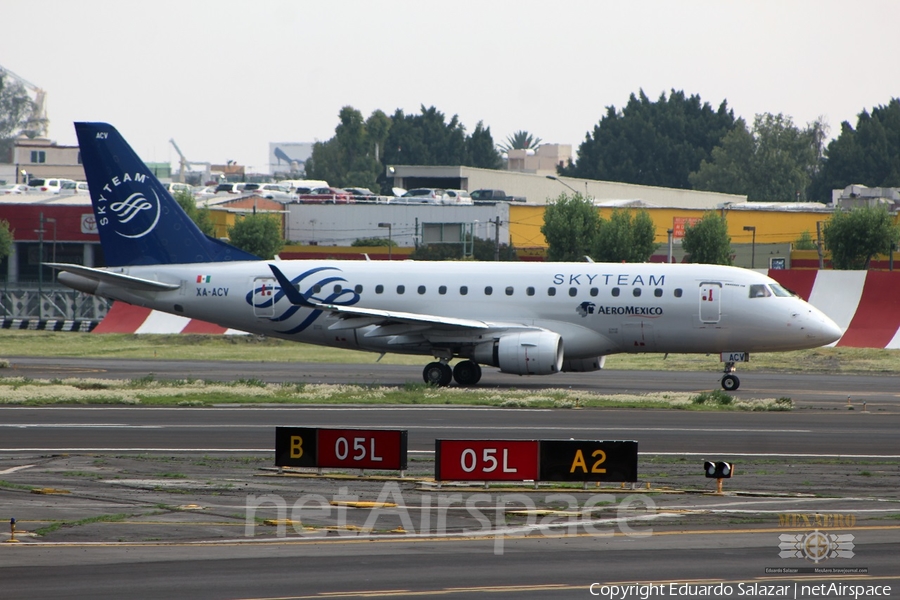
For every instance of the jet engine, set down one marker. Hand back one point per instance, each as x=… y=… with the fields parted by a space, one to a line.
x=524 y=353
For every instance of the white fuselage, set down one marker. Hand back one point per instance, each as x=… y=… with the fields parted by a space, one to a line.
x=597 y=308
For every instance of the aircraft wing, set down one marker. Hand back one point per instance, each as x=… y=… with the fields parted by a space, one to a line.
x=125 y=281
x=391 y=322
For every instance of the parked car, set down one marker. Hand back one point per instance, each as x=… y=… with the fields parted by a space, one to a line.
x=494 y=196
x=174 y=186
x=50 y=185
x=421 y=196
x=229 y=188
x=363 y=194
x=13 y=188
x=272 y=191
x=456 y=197
x=329 y=195
x=81 y=187
x=207 y=191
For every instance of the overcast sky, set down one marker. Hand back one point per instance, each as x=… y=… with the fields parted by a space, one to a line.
x=226 y=77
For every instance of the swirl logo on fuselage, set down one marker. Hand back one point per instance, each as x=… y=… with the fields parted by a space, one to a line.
x=310 y=283
x=133 y=206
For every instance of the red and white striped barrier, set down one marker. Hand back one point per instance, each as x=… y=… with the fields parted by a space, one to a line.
x=126 y=318
x=863 y=303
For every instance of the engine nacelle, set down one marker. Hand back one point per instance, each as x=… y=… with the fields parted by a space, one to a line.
x=525 y=353
x=583 y=365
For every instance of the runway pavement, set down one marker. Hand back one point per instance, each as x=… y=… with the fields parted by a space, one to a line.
x=136 y=467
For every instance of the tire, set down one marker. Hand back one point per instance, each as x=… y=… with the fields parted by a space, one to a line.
x=467 y=373
x=438 y=374
x=730 y=383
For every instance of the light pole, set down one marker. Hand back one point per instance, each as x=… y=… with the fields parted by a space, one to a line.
x=670 y=233
x=752 y=246
x=52 y=220
x=557 y=179
x=390 y=240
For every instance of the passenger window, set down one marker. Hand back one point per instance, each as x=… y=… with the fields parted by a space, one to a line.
x=463 y=290
x=677 y=292
x=379 y=288
x=759 y=291
x=337 y=288
x=401 y=289
x=573 y=291
x=594 y=291
x=442 y=290
x=615 y=292
x=551 y=291
x=509 y=291
x=658 y=292
x=421 y=289
x=636 y=292
x=317 y=288
x=488 y=291
x=358 y=289
x=529 y=291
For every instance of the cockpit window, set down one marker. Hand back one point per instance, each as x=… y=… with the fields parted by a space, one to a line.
x=780 y=291
x=759 y=291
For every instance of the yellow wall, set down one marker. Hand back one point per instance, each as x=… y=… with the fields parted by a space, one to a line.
x=772 y=227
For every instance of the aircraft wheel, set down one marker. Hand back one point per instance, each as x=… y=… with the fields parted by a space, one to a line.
x=467 y=373
x=437 y=373
x=730 y=383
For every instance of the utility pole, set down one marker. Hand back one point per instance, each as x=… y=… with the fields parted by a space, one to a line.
x=820 y=244
x=497 y=239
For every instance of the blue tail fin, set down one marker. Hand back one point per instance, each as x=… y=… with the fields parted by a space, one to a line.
x=139 y=222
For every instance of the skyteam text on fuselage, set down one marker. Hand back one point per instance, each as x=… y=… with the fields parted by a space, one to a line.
x=524 y=318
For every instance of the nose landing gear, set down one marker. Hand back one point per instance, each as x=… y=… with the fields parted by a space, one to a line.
x=730 y=381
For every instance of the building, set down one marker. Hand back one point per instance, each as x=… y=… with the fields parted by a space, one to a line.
x=544 y=160
x=41 y=158
x=538 y=189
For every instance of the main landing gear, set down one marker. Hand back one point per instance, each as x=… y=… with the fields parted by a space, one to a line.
x=730 y=381
x=440 y=374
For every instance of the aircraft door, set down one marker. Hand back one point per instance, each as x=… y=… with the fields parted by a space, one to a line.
x=710 y=302
x=264 y=296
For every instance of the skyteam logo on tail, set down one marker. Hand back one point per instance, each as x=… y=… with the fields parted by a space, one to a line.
x=132 y=211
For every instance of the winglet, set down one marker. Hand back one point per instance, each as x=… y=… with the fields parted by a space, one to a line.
x=290 y=291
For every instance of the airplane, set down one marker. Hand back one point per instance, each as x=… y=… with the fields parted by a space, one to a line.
x=524 y=318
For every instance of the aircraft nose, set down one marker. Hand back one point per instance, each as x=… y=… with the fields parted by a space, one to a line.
x=821 y=327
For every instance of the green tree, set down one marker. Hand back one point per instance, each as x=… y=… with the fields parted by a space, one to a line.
x=652 y=143
x=570 y=228
x=373 y=241
x=520 y=140
x=351 y=157
x=425 y=139
x=16 y=110
x=485 y=249
x=707 y=241
x=855 y=237
x=259 y=234
x=776 y=161
x=200 y=216
x=868 y=155
x=624 y=238
x=6 y=239
x=480 y=149
x=805 y=242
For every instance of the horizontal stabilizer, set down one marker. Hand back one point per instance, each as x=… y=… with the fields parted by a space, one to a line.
x=119 y=279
